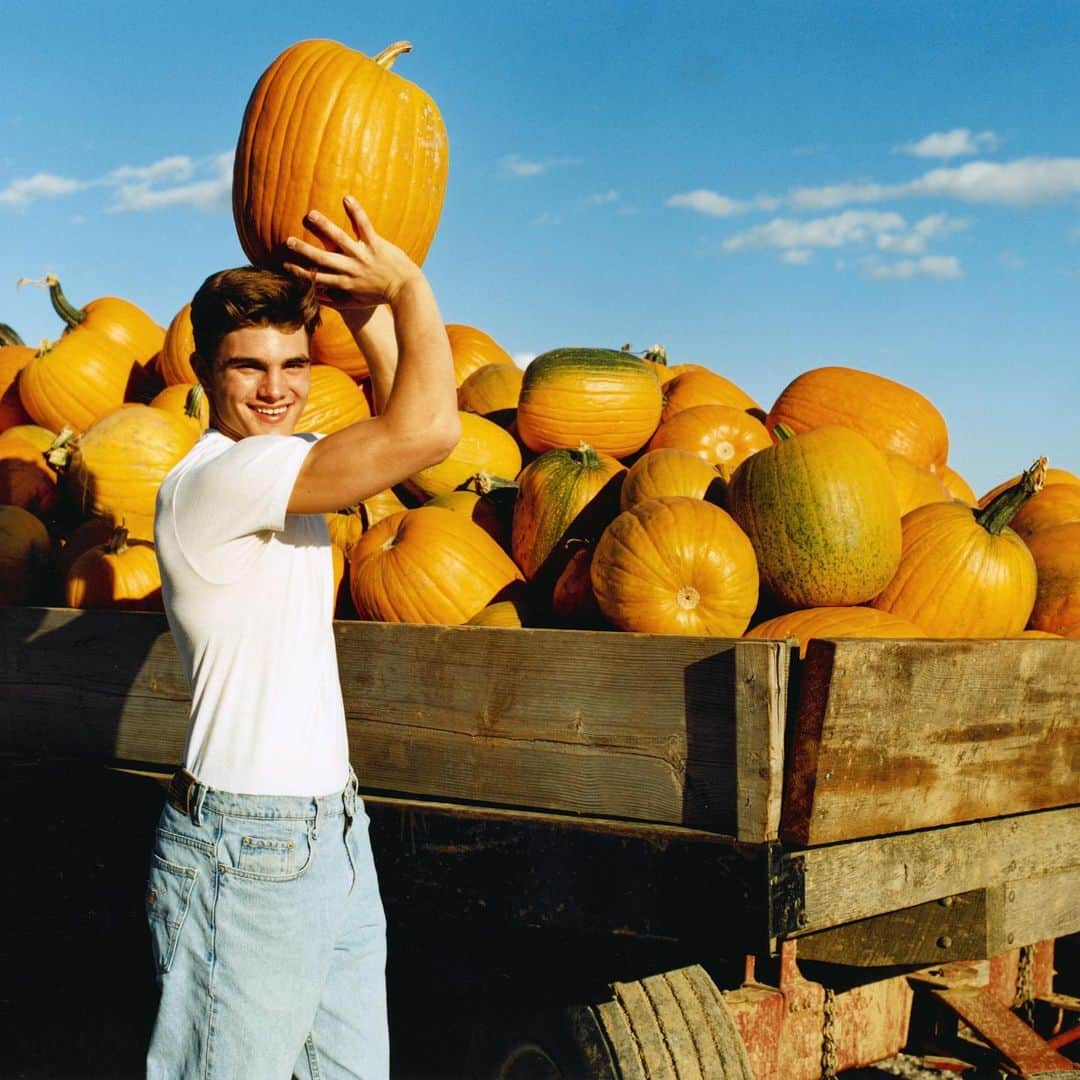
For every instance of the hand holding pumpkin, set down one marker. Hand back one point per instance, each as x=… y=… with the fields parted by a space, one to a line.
x=351 y=273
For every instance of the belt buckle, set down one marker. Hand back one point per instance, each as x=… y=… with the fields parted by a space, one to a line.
x=180 y=790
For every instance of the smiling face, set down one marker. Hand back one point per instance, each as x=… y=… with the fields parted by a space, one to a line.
x=259 y=381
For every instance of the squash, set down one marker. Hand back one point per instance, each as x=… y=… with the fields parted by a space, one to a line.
x=608 y=399
x=334 y=402
x=473 y=349
x=703 y=388
x=24 y=555
x=721 y=434
x=116 y=467
x=669 y=471
x=1056 y=552
x=323 y=122
x=963 y=572
x=492 y=391
x=75 y=381
x=1054 y=505
x=483 y=447
x=822 y=513
x=122 y=322
x=26 y=479
x=480 y=509
x=513 y=611
x=427 y=565
x=381 y=505
x=892 y=416
x=956 y=485
x=13 y=358
x=675 y=565
x=174 y=360
x=333 y=343
x=563 y=496
x=1054 y=476
x=188 y=400
x=121 y=574
x=834 y=622
x=915 y=486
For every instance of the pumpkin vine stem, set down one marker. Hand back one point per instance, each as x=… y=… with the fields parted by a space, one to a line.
x=484 y=483
x=1002 y=509
x=193 y=402
x=59 y=451
x=8 y=336
x=783 y=432
x=387 y=57
x=118 y=542
x=61 y=304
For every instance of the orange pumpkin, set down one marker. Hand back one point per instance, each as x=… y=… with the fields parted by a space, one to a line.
x=122 y=322
x=483 y=447
x=963 y=572
x=1054 y=476
x=188 y=400
x=24 y=554
x=92 y=532
x=473 y=349
x=1056 y=552
x=668 y=471
x=675 y=565
x=915 y=486
x=76 y=381
x=480 y=509
x=892 y=416
x=608 y=399
x=703 y=388
x=492 y=391
x=116 y=467
x=427 y=565
x=121 y=574
x=956 y=485
x=822 y=513
x=381 y=505
x=563 y=496
x=26 y=479
x=721 y=434
x=323 y=122
x=174 y=361
x=333 y=343
x=13 y=358
x=834 y=622
x=1054 y=505
x=334 y=402
x=346 y=527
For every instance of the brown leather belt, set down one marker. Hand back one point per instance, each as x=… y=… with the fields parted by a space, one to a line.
x=181 y=787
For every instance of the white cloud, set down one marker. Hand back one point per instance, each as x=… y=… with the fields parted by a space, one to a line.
x=176 y=169
x=850 y=227
x=212 y=194
x=797 y=256
x=916 y=241
x=547 y=218
x=929 y=266
x=524 y=359
x=602 y=197
x=1011 y=261
x=714 y=204
x=39 y=186
x=516 y=165
x=960 y=142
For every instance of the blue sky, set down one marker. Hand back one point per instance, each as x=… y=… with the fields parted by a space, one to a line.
x=762 y=188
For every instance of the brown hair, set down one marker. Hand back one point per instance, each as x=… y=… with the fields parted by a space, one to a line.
x=246 y=296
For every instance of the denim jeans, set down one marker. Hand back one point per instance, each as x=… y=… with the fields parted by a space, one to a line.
x=269 y=940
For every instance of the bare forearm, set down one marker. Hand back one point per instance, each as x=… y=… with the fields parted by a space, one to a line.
x=376 y=338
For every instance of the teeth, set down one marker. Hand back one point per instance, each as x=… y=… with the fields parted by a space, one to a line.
x=277 y=411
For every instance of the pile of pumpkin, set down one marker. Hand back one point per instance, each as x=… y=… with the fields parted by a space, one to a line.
x=594 y=489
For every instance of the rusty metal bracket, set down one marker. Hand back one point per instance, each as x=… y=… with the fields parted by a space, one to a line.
x=787 y=892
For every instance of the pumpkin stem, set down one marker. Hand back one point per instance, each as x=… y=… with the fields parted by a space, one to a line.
x=59 y=451
x=387 y=57
x=8 y=336
x=590 y=459
x=782 y=431
x=61 y=304
x=194 y=401
x=657 y=354
x=117 y=543
x=1004 y=507
x=483 y=483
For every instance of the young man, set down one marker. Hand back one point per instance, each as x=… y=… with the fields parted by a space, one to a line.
x=266 y=923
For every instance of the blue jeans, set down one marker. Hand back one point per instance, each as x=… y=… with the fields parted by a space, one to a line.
x=269 y=940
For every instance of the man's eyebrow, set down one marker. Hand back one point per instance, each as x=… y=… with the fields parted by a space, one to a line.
x=236 y=361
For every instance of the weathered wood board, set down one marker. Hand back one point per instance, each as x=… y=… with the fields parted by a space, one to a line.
x=894 y=736
x=613 y=725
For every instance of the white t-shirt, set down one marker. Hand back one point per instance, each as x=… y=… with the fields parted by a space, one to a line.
x=248 y=594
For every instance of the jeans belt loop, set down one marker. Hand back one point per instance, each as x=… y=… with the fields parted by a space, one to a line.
x=315 y=822
x=197 y=803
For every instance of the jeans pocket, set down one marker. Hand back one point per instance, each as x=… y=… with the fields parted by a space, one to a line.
x=168 y=894
x=269 y=851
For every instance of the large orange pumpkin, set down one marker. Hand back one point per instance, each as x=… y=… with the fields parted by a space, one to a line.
x=1056 y=552
x=892 y=416
x=963 y=572
x=188 y=400
x=669 y=471
x=427 y=565
x=915 y=486
x=473 y=349
x=609 y=399
x=675 y=565
x=13 y=358
x=725 y=436
x=564 y=495
x=956 y=485
x=121 y=574
x=822 y=513
x=24 y=554
x=1054 y=505
x=834 y=622
x=323 y=122
x=334 y=402
x=333 y=343
x=703 y=388
x=174 y=361
x=483 y=447
x=492 y=391
x=26 y=479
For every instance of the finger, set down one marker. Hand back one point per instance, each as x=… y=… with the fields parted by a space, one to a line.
x=330 y=260
x=361 y=223
x=322 y=226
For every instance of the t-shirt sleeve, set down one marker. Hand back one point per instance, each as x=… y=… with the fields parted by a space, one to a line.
x=241 y=492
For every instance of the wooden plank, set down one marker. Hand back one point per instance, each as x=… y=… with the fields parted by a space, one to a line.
x=894 y=736
x=761 y=701
x=1026 y=910
x=617 y=725
x=860 y=878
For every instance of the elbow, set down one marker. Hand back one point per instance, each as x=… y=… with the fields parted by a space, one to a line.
x=445 y=437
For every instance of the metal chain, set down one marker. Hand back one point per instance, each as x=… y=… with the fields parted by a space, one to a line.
x=1025 y=983
x=828 y=1039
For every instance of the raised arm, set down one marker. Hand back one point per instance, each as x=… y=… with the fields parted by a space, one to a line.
x=418 y=424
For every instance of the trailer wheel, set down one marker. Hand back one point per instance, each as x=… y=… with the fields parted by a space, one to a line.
x=672 y=1026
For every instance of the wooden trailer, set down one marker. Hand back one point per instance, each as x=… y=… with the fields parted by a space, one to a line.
x=606 y=855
